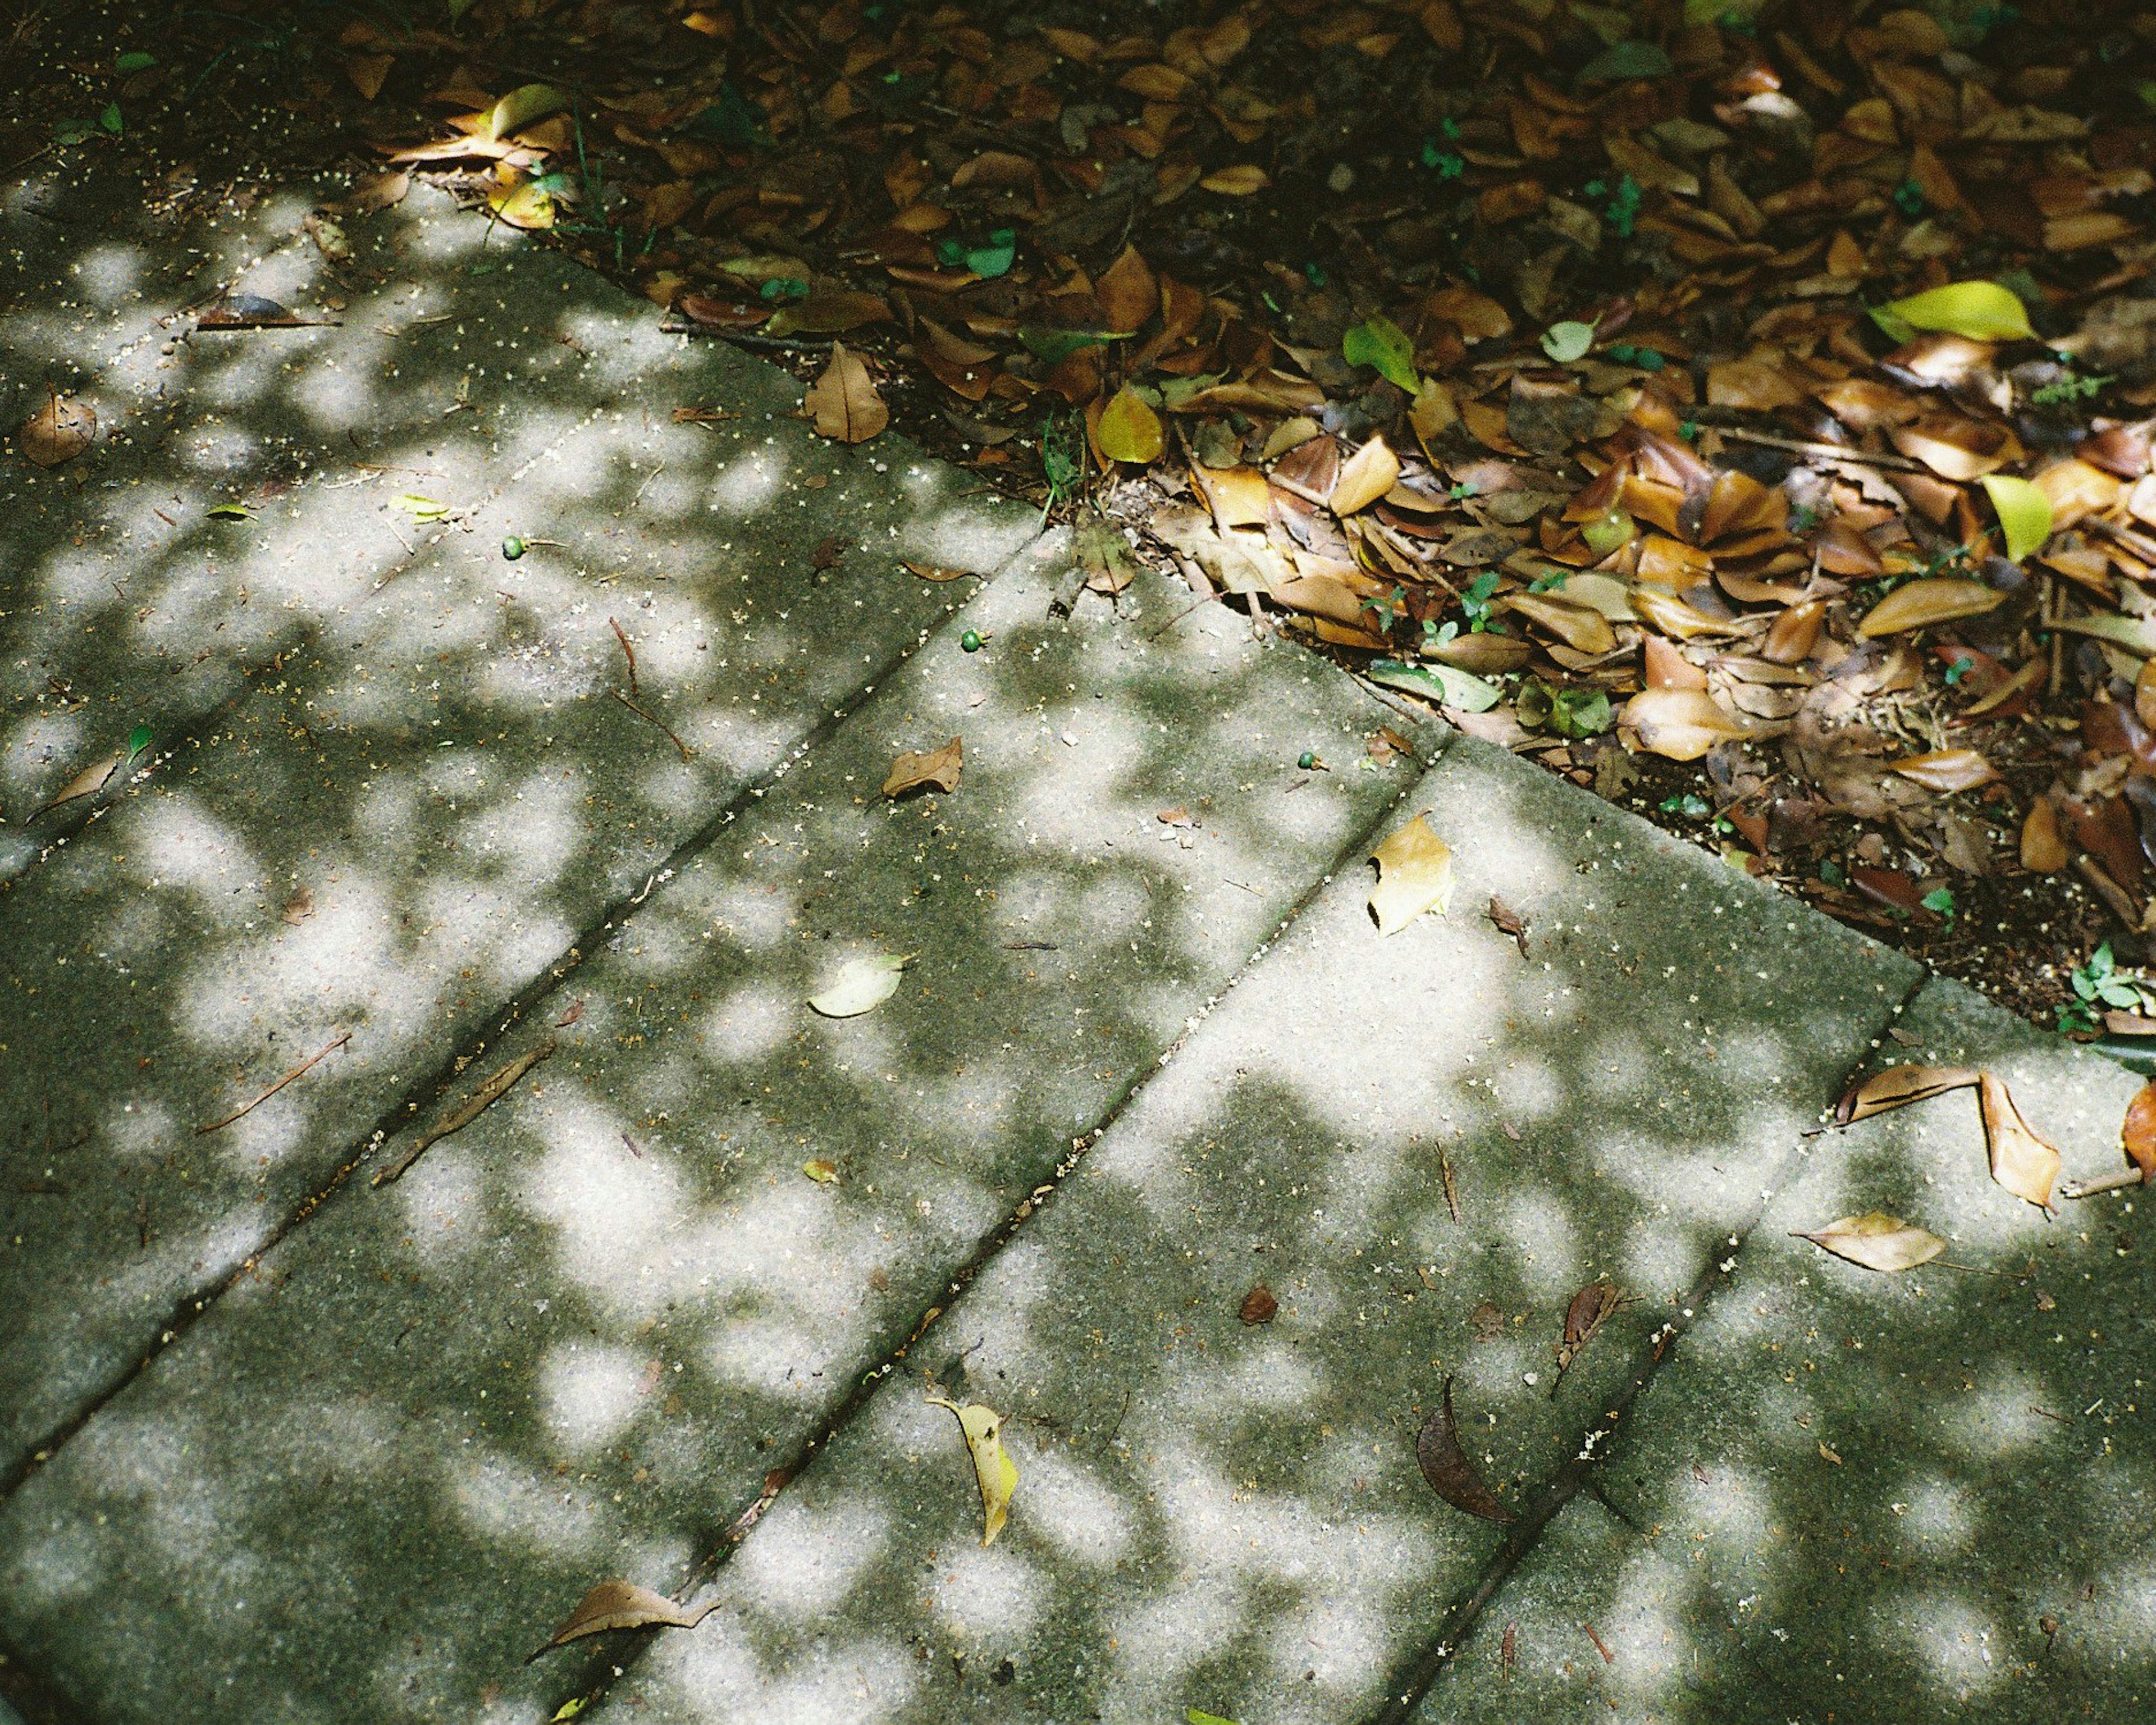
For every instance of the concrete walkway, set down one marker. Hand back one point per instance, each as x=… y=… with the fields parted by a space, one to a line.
x=281 y=1443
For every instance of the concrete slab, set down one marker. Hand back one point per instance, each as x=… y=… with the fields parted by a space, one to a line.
x=1228 y=1515
x=576 y=1335
x=1847 y=1495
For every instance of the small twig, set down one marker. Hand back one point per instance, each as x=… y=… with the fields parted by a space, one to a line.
x=2109 y=1183
x=488 y=1093
x=628 y=652
x=1822 y=451
x=296 y=1072
x=685 y=754
x=2139 y=544
x=1608 y=1657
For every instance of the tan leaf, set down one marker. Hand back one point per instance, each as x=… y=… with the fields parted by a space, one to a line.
x=1128 y=292
x=2044 y=848
x=1897 y=1086
x=59 y=431
x=829 y=314
x=1578 y=627
x=1679 y=724
x=623 y=1605
x=1673 y=616
x=939 y=768
x=1129 y=430
x=1365 y=477
x=521 y=107
x=1414 y=873
x=1878 y=1241
x=843 y=402
x=367 y=72
x=995 y=1471
x=1957 y=448
x=1935 y=599
x=1947 y=770
x=88 y=783
x=1240 y=181
x=2025 y=1164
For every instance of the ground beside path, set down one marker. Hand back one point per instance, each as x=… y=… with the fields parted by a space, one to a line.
x=1158 y=1149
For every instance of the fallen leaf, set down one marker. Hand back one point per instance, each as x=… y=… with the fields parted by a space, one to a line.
x=843 y=402
x=2044 y=848
x=1898 y=1087
x=939 y=768
x=827 y=314
x=1450 y=1474
x=1947 y=770
x=1980 y=310
x=1828 y=1455
x=993 y=1467
x=88 y=783
x=1679 y=724
x=1365 y=477
x=1106 y=555
x=1379 y=342
x=863 y=984
x=1129 y=430
x=1240 y=181
x=2024 y=513
x=59 y=431
x=1878 y=1241
x=1259 y=1305
x=623 y=1605
x=1934 y=599
x=1590 y=1309
x=234 y=312
x=1565 y=342
x=1414 y=873
x=300 y=906
x=521 y=107
x=2025 y=1164
x=1447 y=685
x=1509 y=921
x=822 y=1173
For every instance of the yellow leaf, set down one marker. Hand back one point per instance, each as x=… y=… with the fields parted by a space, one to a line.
x=1979 y=310
x=1679 y=724
x=993 y=1467
x=1937 y=599
x=843 y=402
x=1129 y=430
x=1365 y=477
x=1414 y=873
x=521 y=107
x=2020 y=1161
x=2023 y=512
x=530 y=206
x=822 y=1173
x=1240 y=181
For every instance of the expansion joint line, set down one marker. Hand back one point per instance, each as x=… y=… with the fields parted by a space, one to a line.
x=1416 y=1680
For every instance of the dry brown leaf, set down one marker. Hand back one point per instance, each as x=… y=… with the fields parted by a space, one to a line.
x=1947 y=770
x=88 y=783
x=1580 y=628
x=59 y=431
x=1933 y=599
x=1680 y=724
x=623 y=1605
x=1898 y=1087
x=2025 y=1164
x=1878 y=1241
x=1365 y=477
x=1445 y=1465
x=1259 y=1305
x=2044 y=848
x=1128 y=292
x=843 y=402
x=1414 y=873
x=939 y=767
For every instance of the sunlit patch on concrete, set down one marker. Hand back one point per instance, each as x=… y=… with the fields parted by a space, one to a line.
x=590 y=1391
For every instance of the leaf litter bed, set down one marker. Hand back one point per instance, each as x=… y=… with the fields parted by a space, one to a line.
x=1745 y=410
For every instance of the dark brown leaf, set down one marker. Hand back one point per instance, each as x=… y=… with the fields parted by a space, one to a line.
x=1450 y=1474
x=1259 y=1305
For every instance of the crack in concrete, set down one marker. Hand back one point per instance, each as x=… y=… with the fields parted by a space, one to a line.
x=1421 y=1675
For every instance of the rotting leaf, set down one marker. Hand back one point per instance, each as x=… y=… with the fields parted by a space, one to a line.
x=822 y=1173
x=863 y=984
x=993 y=1467
x=1877 y=1241
x=1898 y=1087
x=1450 y=1474
x=251 y=311
x=1259 y=1305
x=2025 y=1164
x=1414 y=873
x=843 y=402
x=1509 y=921
x=938 y=766
x=59 y=431
x=623 y=1605
x=1590 y=1308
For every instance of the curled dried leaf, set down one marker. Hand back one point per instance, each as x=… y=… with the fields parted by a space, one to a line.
x=996 y=1473
x=1898 y=1087
x=623 y=1605
x=1878 y=1241
x=1414 y=873
x=1450 y=1474
x=2025 y=1164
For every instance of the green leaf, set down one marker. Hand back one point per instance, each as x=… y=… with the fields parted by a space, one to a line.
x=1439 y=682
x=1565 y=342
x=996 y=257
x=1977 y=311
x=1056 y=346
x=110 y=119
x=2023 y=512
x=1940 y=899
x=231 y=512
x=1199 y=1716
x=138 y=740
x=135 y=62
x=1379 y=342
